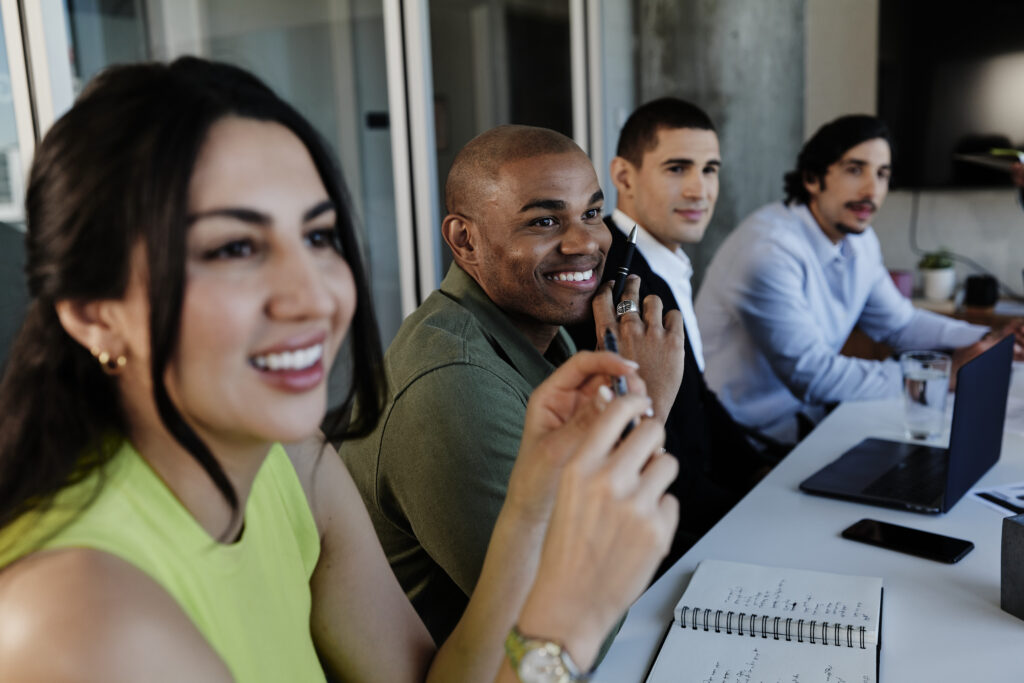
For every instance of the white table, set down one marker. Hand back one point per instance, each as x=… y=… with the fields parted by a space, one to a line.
x=939 y=622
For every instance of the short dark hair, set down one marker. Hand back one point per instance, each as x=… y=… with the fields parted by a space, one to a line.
x=114 y=172
x=640 y=132
x=827 y=146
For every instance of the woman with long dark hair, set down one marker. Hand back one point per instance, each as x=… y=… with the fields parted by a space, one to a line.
x=193 y=270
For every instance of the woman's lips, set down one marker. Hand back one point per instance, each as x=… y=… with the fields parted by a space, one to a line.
x=295 y=381
x=288 y=360
x=295 y=369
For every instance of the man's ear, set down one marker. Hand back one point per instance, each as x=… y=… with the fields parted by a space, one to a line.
x=460 y=233
x=623 y=174
x=811 y=183
x=92 y=324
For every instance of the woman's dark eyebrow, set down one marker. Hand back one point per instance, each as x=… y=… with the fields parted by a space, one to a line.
x=257 y=218
x=250 y=216
x=323 y=207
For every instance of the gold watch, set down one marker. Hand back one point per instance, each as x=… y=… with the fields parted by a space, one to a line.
x=536 y=660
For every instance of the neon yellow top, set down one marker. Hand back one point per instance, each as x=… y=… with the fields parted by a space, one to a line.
x=250 y=599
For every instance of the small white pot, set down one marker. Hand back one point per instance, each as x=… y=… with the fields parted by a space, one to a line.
x=938 y=284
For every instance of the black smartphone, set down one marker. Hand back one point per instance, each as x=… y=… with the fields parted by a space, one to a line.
x=911 y=541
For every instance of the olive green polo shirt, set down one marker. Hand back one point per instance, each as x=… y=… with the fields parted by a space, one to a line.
x=435 y=471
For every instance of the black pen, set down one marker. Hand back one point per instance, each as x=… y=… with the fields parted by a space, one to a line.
x=618 y=381
x=623 y=272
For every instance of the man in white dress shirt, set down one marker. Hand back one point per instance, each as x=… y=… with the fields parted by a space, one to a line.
x=666 y=177
x=789 y=284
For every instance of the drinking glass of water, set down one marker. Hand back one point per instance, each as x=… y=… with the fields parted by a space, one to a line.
x=925 y=386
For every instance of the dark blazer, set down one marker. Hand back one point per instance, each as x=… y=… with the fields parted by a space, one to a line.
x=717 y=463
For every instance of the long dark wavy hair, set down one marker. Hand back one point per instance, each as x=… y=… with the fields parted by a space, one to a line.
x=112 y=172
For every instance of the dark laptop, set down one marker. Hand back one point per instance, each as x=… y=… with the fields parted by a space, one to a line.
x=924 y=478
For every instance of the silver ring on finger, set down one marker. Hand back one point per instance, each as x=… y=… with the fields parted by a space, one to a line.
x=626 y=306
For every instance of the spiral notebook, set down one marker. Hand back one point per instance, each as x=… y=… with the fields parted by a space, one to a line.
x=746 y=622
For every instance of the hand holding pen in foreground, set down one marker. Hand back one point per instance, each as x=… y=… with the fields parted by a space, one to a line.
x=611 y=525
x=559 y=417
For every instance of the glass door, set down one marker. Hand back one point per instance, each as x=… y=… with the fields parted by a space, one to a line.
x=326 y=57
x=396 y=86
x=497 y=62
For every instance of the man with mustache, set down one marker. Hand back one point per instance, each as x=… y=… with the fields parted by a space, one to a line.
x=666 y=175
x=524 y=226
x=788 y=285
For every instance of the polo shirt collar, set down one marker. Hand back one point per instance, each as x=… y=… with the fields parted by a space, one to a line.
x=819 y=241
x=501 y=332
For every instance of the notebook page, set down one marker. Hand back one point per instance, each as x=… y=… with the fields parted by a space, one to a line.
x=707 y=657
x=791 y=595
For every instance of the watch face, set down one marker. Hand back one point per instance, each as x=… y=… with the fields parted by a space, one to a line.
x=543 y=665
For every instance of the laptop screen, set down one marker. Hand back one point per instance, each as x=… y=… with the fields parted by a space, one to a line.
x=976 y=433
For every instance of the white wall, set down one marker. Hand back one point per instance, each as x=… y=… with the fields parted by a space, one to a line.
x=841 y=65
x=987 y=226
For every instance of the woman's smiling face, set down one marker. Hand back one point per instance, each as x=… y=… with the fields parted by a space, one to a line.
x=268 y=297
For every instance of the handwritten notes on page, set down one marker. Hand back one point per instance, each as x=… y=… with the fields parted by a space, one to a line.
x=744 y=623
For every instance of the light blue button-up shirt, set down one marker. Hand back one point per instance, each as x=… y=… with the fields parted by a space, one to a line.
x=778 y=302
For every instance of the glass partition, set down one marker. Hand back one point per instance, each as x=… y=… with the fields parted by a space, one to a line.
x=12 y=187
x=495 y=62
x=326 y=57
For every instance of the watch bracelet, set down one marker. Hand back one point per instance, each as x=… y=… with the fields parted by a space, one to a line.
x=517 y=644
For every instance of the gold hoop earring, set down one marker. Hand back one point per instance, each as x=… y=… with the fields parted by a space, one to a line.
x=111 y=366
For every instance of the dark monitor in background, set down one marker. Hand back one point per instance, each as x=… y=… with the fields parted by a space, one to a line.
x=13 y=294
x=951 y=81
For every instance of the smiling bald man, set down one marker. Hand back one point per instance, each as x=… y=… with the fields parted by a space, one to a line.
x=524 y=226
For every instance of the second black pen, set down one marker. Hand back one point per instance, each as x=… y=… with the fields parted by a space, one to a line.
x=618 y=381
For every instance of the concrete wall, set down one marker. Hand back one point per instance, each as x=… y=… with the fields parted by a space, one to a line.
x=743 y=62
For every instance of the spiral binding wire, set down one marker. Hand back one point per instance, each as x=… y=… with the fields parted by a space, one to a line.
x=813 y=631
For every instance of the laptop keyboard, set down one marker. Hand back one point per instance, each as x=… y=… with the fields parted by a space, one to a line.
x=920 y=477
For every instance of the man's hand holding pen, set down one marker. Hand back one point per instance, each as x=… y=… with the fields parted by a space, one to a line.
x=656 y=341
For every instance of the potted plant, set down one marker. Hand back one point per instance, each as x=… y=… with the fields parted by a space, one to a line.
x=938 y=279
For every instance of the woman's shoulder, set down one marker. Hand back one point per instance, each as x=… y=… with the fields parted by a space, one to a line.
x=332 y=495
x=78 y=614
